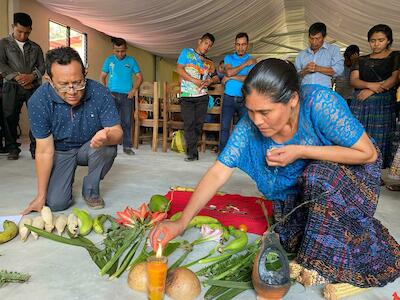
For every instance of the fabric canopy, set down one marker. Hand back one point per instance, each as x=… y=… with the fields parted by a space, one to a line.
x=276 y=27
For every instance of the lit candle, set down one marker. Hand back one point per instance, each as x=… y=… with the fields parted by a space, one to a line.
x=156 y=275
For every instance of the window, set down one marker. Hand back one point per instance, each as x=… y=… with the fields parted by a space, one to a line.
x=62 y=35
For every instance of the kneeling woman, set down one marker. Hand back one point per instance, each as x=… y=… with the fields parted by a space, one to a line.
x=298 y=145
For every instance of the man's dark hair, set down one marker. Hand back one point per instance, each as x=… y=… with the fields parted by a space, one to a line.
x=242 y=35
x=317 y=28
x=62 y=56
x=350 y=50
x=22 y=19
x=385 y=29
x=208 y=36
x=118 y=41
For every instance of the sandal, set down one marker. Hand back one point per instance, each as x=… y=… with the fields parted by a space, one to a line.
x=393 y=187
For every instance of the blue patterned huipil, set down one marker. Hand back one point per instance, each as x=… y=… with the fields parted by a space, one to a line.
x=324 y=119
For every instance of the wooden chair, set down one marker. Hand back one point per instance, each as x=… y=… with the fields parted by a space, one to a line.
x=217 y=92
x=171 y=110
x=146 y=114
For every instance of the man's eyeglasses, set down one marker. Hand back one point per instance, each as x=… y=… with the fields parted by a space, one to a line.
x=65 y=88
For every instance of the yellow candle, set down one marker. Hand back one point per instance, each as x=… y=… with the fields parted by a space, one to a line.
x=156 y=276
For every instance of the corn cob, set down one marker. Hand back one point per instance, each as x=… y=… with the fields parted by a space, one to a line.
x=295 y=269
x=340 y=290
x=310 y=277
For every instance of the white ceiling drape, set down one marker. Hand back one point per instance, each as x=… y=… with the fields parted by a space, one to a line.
x=164 y=27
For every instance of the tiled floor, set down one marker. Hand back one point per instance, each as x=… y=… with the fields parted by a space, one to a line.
x=65 y=272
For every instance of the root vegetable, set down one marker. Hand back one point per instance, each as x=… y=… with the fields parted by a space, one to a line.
x=47 y=216
x=60 y=223
x=38 y=223
x=50 y=227
x=72 y=223
x=24 y=231
x=137 y=278
x=182 y=284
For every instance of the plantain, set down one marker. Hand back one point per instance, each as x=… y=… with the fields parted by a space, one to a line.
x=10 y=231
x=85 y=221
x=98 y=223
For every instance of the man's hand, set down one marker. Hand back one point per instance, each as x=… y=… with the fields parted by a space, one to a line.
x=309 y=68
x=284 y=156
x=36 y=205
x=197 y=82
x=251 y=61
x=131 y=93
x=24 y=79
x=364 y=94
x=100 y=138
x=205 y=83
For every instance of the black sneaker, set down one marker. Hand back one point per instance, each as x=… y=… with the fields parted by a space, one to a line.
x=13 y=155
x=129 y=151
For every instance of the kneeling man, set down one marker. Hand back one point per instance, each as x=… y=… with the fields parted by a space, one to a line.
x=75 y=122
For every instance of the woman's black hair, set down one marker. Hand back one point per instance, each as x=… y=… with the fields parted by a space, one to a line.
x=62 y=56
x=274 y=78
x=386 y=30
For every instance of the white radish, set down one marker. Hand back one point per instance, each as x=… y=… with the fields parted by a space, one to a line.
x=47 y=215
x=72 y=223
x=61 y=222
x=23 y=230
x=38 y=223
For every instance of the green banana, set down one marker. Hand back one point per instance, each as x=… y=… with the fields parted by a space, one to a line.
x=85 y=221
x=98 y=223
x=10 y=231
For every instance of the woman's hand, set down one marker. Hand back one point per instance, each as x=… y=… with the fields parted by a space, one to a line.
x=165 y=231
x=376 y=87
x=281 y=157
x=364 y=94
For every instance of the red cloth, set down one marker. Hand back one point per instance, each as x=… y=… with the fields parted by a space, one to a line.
x=254 y=218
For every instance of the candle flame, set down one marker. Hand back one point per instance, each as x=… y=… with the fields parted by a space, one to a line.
x=159 y=250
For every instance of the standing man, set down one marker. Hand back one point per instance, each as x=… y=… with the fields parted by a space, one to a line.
x=237 y=66
x=123 y=71
x=197 y=72
x=75 y=122
x=322 y=61
x=22 y=66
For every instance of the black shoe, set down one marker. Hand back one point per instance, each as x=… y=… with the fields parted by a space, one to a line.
x=33 y=155
x=129 y=151
x=13 y=155
x=192 y=157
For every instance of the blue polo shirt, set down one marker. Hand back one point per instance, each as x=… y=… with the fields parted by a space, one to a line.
x=71 y=127
x=120 y=73
x=234 y=87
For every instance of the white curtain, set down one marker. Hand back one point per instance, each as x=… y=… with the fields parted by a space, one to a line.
x=164 y=27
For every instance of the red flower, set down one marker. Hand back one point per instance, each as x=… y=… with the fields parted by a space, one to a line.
x=157 y=217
